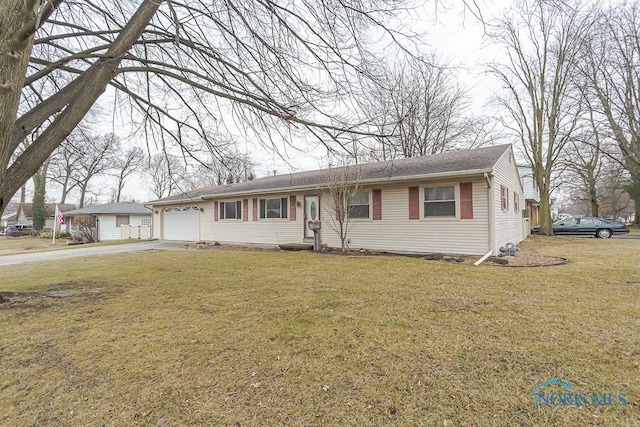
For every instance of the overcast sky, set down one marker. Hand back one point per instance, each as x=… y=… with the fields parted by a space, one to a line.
x=458 y=38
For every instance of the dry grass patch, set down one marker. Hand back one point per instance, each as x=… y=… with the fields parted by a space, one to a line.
x=253 y=339
x=18 y=245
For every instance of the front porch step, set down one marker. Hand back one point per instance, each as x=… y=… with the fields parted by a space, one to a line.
x=296 y=247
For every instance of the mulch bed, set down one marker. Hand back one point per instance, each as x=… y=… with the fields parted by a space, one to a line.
x=523 y=258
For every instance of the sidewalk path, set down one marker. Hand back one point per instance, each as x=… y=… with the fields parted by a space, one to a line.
x=84 y=250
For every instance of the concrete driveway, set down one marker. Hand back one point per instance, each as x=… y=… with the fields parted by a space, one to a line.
x=82 y=250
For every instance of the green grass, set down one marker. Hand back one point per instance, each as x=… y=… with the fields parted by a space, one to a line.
x=251 y=339
x=18 y=245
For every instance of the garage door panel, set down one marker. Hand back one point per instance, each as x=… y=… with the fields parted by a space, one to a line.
x=181 y=223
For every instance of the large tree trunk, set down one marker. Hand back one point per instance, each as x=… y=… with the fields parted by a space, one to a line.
x=15 y=50
x=39 y=209
x=546 y=222
x=69 y=105
x=39 y=194
x=83 y=192
x=65 y=191
x=593 y=199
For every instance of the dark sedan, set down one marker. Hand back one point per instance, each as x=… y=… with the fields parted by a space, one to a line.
x=20 y=230
x=588 y=226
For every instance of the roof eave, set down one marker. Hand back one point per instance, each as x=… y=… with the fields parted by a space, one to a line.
x=161 y=202
x=364 y=181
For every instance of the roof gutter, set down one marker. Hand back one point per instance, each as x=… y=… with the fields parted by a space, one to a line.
x=172 y=202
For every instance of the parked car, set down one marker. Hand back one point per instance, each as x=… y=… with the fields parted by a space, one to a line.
x=586 y=225
x=19 y=230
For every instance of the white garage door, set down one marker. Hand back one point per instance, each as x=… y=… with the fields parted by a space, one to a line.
x=181 y=223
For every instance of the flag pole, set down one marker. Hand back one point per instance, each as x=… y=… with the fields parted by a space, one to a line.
x=55 y=221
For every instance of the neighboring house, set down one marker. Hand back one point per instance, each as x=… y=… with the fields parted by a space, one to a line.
x=24 y=213
x=531 y=194
x=118 y=220
x=459 y=202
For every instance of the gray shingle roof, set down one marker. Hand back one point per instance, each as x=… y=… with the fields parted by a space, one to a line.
x=114 y=208
x=452 y=162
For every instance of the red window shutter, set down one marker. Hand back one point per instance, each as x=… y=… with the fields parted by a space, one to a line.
x=414 y=202
x=466 y=200
x=377 y=204
x=215 y=211
x=245 y=209
x=255 y=209
x=292 y=208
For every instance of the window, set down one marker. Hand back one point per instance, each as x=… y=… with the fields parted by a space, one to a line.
x=273 y=208
x=231 y=210
x=516 y=202
x=358 y=205
x=504 y=198
x=440 y=201
x=145 y=222
x=122 y=220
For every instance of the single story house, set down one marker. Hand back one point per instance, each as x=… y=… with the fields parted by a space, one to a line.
x=118 y=220
x=458 y=202
x=24 y=213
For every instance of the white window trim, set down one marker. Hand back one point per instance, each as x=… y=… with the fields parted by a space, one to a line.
x=286 y=218
x=456 y=195
x=238 y=214
x=369 y=218
x=505 y=207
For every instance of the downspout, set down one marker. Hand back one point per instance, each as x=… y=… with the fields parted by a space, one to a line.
x=492 y=211
x=97 y=228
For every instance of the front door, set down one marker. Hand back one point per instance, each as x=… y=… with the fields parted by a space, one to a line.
x=311 y=212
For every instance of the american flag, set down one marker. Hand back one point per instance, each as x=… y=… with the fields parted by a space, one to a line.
x=59 y=216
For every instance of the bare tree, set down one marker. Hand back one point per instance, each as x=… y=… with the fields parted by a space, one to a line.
x=84 y=228
x=97 y=156
x=614 y=200
x=232 y=168
x=345 y=200
x=180 y=69
x=420 y=109
x=541 y=40
x=124 y=166
x=65 y=162
x=609 y=63
x=583 y=163
x=166 y=173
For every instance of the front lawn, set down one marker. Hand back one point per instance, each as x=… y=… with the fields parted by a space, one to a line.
x=217 y=338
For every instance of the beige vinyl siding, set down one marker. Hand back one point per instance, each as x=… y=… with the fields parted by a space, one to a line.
x=156 y=231
x=508 y=224
x=262 y=231
x=396 y=233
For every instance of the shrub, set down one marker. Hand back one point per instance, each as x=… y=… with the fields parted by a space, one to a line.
x=84 y=228
x=49 y=234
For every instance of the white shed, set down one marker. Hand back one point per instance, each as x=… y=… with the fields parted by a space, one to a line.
x=118 y=220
